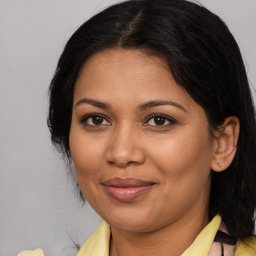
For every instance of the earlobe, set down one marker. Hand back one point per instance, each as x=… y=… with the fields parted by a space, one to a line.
x=226 y=141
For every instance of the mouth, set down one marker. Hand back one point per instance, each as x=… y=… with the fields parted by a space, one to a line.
x=126 y=189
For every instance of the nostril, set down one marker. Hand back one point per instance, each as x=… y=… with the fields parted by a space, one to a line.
x=135 y=157
x=123 y=149
x=123 y=164
x=120 y=162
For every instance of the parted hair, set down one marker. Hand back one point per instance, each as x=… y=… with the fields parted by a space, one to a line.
x=203 y=58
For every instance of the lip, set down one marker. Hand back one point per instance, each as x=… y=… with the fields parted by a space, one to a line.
x=126 y=189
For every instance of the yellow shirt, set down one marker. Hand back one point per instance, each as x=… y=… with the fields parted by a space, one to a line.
x=98 y=243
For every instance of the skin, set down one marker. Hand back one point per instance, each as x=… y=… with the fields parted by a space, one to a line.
x=176 y=155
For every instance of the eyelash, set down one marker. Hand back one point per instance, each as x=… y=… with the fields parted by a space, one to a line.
x=87 y=117
x=166 y=118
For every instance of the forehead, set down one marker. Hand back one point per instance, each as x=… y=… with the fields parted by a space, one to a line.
x=128 y=76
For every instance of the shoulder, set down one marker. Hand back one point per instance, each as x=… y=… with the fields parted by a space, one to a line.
x=37 y=252
x=246 y=247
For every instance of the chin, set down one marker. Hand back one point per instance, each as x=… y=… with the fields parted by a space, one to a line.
x=131 y=221
x=131 y=226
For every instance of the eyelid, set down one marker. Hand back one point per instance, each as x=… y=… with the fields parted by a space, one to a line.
x=168 y=118
x=86 y=117
x=148 y=118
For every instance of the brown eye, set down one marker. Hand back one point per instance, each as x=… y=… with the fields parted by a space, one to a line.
x=160 y=120
x=95 y=120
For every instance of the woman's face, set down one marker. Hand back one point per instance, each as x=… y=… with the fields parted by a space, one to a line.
x=140 y=144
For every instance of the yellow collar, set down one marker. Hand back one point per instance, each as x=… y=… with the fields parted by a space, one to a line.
x=98 y=242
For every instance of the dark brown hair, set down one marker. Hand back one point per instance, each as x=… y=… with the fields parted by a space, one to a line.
x=203 y=58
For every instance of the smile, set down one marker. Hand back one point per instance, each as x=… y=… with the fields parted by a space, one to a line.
x=126 y=189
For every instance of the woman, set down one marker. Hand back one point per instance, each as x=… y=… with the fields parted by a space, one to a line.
x=150 y=101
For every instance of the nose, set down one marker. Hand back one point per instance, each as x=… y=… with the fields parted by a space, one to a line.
x=124 y=148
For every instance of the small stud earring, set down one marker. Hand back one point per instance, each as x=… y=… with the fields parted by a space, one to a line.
x=219 y=164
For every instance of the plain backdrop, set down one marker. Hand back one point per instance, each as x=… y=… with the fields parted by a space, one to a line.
x=39 y=206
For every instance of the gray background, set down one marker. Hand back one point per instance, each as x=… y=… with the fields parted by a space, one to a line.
x=39 y=206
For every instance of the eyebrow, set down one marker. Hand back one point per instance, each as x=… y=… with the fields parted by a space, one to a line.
x=156 y=103
x=147 y=105
x=92 y=102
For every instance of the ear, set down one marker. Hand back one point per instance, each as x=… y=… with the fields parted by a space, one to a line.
x=225 y=147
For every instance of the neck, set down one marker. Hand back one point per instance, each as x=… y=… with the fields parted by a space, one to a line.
x=172 y=239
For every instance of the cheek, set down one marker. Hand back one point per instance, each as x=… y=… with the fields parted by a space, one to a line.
x=184 y=163
x=186 y=156
x=87 y=161
x=86 y=154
